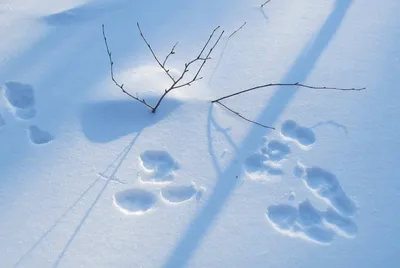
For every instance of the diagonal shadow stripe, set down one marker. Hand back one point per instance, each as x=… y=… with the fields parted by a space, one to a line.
x=226 y=183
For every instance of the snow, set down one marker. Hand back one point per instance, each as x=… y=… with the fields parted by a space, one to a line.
x=91 y=178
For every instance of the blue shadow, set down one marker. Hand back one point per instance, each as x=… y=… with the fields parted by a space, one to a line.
x=107 y=121
x=227 y=179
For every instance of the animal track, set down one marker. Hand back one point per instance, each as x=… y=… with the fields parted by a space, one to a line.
x=180 y=194
x=307 y=222
x=134 y=201
x=276 y=150
x=304 y=221
x=159 y=166
x=267 y=161
x=39 y=136
x=22 y=98
x=325 y=185
x=302 y=135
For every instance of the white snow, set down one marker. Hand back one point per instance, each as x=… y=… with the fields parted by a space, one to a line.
x=91 y=178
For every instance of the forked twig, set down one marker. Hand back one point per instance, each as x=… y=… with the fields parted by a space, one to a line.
x=121 y=86
x=176 y=83
x=218 y=101
x=154 y=54
x=199 y=57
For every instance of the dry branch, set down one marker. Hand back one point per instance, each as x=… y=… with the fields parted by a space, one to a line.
x=244 y=118
x=218 y=101
x=176 y=82
x=154 y=55
x=199 y=58
x=266 y=2
x=121 y=86
x=237 y=30
x=288 y=85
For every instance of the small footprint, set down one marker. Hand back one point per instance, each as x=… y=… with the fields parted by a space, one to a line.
x=39 y=136
x=159 y=166
x=180 y=194
x=134 y=201
x=22 y=98
x=276 y=150
x=257 y=167
x=2 y=121
x=326 y=186
x=302 y=135
x=307 y=222
x=266 y=162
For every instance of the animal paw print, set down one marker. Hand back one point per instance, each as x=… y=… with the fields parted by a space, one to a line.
x=325 y=185
x=268 y=161
x=158 y=167
x=304 y=221
x=303 y=136
x=21 y=98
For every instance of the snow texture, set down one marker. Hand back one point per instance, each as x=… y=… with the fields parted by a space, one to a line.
x=91 y=178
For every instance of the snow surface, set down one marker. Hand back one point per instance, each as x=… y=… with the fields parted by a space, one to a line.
x=91 y=178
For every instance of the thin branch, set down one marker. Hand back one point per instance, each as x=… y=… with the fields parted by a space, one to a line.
x=266 y=2
x=175 y=82
x=121 y=86
x=172 y=52
x=285 y=84
x=208 y=55
x=195 y=78
x=237 y=30
x=244 y=118
x=208 y=41
x=154 y=54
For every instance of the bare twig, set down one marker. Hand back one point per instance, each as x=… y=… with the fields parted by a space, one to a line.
x=266 y=2
x=172 y=52
x=218 y=101
x=121 y=86
x=178 y=82
x=202 y=59
x=285 y=84
x=244 y=118
x=237 y=30
x=154 y=54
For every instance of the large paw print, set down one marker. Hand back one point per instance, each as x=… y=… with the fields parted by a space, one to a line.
x=158 y=168
x=304 y=221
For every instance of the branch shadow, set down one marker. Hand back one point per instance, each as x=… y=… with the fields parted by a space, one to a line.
x=227 y=179
x=118 y=162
